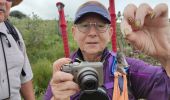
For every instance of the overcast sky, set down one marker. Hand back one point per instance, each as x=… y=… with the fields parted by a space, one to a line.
x=46 y=9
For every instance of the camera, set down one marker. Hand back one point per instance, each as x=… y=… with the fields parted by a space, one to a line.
x=88 y=75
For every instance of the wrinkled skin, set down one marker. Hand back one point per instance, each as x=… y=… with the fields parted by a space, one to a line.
x=62 y=84
x=4 y=9
x=151 y=34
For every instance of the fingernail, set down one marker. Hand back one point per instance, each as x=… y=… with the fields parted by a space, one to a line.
x=137 y=23
x=151 y=14
x=131 y=20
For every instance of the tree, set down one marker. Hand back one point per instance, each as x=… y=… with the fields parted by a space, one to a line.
x=18 y=14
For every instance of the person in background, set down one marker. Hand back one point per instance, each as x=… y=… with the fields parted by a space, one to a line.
x=145 y=28
x=15 y=70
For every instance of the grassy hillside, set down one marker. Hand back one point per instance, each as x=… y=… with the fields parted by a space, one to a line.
x=44 y=45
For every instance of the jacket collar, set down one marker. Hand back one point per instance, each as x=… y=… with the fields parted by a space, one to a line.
x=79 y=55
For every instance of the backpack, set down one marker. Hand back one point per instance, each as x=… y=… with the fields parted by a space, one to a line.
x=15 y=35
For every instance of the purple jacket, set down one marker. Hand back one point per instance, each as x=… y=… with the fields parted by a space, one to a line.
x=145 y=81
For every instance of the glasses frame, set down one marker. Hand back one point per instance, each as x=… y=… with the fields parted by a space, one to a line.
x=95 y=26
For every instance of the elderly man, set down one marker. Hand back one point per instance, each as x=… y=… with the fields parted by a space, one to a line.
x=147 y=29
x=15 y=69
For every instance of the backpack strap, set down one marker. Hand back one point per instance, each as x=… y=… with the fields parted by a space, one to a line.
x=15 y=35
x=12 y=31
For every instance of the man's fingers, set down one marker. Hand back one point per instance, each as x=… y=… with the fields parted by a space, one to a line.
x=63 y=90
x=63 y=95
x=143 y=11
x=68 y=85
x=125 y=28
x=60 y=76
x=130 y=15
x=129 y=11
x=59 y=63
x=62 y=85
x=161 y=10
x=127 y=32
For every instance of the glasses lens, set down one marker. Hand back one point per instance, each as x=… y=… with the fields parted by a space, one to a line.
x=85 y=27
x=102 y=27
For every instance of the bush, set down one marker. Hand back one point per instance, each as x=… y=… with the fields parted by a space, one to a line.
x=44 y=45
x=18 y=14
x=42 y=73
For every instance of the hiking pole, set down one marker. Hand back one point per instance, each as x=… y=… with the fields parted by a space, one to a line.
x=63 y=27
x=113 y=23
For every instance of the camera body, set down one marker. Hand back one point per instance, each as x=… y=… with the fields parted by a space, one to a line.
x=88 y=75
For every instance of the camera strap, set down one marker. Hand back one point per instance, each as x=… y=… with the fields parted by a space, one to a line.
x=119 y=94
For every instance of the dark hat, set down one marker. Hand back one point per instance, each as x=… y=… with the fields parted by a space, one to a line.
x=16 y=2
x=92 y=7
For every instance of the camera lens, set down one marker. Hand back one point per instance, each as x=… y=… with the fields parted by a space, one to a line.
x=99 y=94
x=88 y=80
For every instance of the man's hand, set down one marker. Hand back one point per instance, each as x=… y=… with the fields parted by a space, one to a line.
x=62 y=84
x=148 y=30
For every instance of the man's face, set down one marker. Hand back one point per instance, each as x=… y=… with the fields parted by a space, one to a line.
x=92 y=34
x=5 y=6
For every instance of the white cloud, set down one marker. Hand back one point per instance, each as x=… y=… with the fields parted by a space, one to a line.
x=47 y=9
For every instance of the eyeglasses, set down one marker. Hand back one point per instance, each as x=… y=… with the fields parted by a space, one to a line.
x=9 y=0
x=85 y=27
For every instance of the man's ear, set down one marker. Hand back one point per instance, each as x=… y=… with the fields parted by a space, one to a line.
x=73 y=29
x=110 y=32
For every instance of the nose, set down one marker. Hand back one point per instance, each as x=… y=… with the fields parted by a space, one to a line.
x=2 y=2
x=92 y=31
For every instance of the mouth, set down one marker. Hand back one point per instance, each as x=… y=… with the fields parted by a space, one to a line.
x=2 y=10
x=92 y=42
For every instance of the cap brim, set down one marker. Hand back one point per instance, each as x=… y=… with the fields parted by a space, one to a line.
x=16 y=2
x=92 y=9
x=85 y=14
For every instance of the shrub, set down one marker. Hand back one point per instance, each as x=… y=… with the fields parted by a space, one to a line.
x=18 y=14
x=42 y=73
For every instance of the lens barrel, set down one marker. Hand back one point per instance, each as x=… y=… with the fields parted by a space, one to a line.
x=88 y=80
